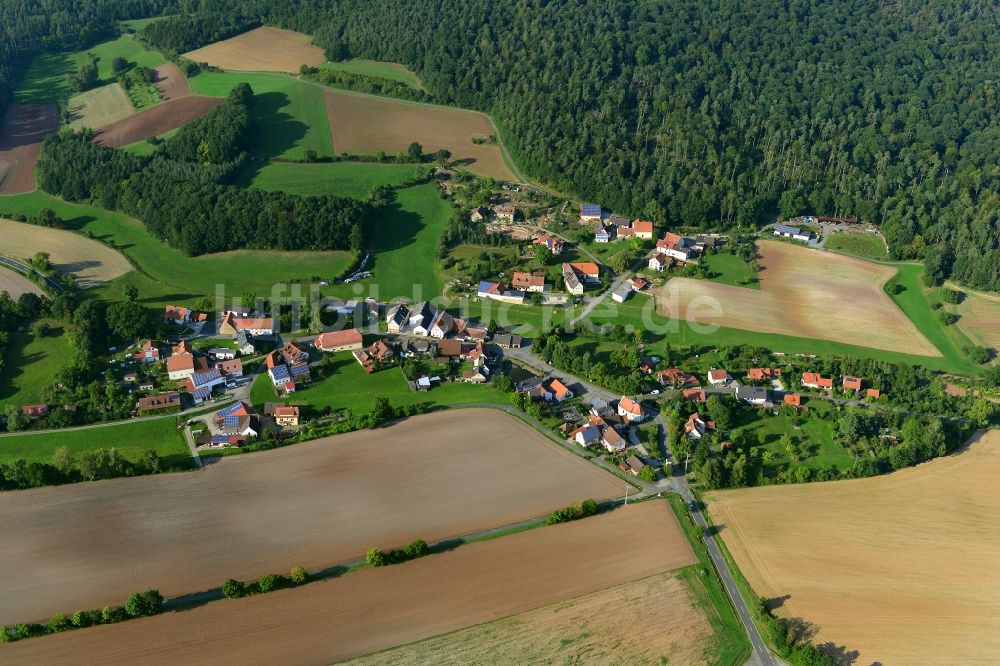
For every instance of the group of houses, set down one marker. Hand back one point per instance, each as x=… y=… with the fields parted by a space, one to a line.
x=197 y=373
x=855 y=385
x=288 y=368
x=521 y=284
x=616 y=228
x=501 y=213
x=425 y=320
x=239 y=423
x=578 y=274
x=674 y=248
x=607 y=425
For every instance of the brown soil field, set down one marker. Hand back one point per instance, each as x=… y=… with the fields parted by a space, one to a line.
x=171 y=81
x=261 y=50
x=364 y=124
x=100 y=107
x=803 y=293
x=980 y=316
x=16 y=284
x=24 y=128
x=374 y=609
x=314 y=504
x=92 y=263
x=156 y=120
x=606 y=627
x=899 y=568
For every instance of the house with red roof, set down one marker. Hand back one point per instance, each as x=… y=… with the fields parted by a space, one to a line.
x=763 y=374
x=792 y=399
x=630 y=410
x=852 y=383
x=554 y=243
x=587 y=270
x=336 y=341
x=695 y=395
x=718 y=377
x=559 y=391
x=677 y=378
x=643 y=229
x=816 y=381
x=696 y=427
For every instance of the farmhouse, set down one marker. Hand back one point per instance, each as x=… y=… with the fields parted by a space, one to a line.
x=230 y=368
x=150 y=352
x=396 y=318
x=181 y=315
x=643 y=229
x=231 y=324
x=378 y=353
x=291 y=353
x=718 y=377
x=852 y=383
x=508 y=341
x=630 y=410
x=497 y=291
x=659 y=262
x=180 y=366
x=816 y=381
x=677 y=247
x=238 y=419
x=244 y=341
x=572 y=282
x=154 y=403
x=553 y=243
x=530 y=282
x=697 y=427
x=442 y=325
x=588 y=270
x=336 y=341
x=590 y=213
x=621 y=293
x=505 y=213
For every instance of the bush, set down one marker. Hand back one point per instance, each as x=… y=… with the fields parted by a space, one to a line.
x=143 y=604
x=951 y=295
x=375 y=557
x=947 y=318
x=233 y=589
x=268 y=582
x=299 y=576
x=977 y=354
x=415 y=549
x=573 y=512
x=111 y=614
x=58 y=623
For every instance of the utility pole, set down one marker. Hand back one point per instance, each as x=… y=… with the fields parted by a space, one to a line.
x=687 y=457
x=626 y=494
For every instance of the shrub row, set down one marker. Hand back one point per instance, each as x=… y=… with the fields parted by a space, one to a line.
x=138 y=604
x=234 y=589
x=379 y=558
x=573 y=512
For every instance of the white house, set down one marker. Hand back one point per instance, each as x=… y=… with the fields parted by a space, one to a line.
x=718 y=377
x=442 y=325
x=396 y=318
x=573 y=284
x=630 y=410
x=587 y=435
x=612 y=441
x=621 y=293
x=658 y=262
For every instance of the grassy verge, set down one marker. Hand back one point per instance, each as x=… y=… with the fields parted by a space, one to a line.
x=132 y=439
x=345 y=179
x=731 y=642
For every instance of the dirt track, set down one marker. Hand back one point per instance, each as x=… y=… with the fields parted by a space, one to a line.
x=377 y=608
x=313 y=504
x=804 y=293
x=156 y=120
x=24 y=128
x=171 y=82
x=261 y=50
x=364 y=124
x=901 y=568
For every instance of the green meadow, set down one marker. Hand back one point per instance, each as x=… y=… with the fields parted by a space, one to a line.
x=30 y=364
x=346 y=179
x=291 y=114
x=378 y=69
x=866 y=246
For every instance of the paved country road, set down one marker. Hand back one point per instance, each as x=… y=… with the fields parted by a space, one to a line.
x=27 y=271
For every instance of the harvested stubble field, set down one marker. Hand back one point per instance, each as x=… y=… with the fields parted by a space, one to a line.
x=261 y=50
x=314 y=504
x=16 y=284
x=980 y=316
x=375 y=609
x=606 y=627
x=364 y=124
x=900 y=568
x=24 y=128
x=171 y=81
x=99 y=107
x=89 y=261
x=156 y=120
x=806 y=294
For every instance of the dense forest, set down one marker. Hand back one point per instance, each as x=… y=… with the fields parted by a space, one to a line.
x=720 y=113
x=182 y=195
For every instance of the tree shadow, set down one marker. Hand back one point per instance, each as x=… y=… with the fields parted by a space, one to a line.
x=279 y=131
x=397 y=228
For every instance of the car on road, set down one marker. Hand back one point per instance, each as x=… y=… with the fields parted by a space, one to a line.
x=656 y=391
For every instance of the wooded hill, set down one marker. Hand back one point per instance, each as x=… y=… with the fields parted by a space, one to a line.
x=700 y=113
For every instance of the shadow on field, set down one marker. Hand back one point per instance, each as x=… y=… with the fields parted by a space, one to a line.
x=397 y=228
x=279 y=131
x=168 y=297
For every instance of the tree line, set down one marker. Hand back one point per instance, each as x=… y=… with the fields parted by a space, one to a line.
x=719 y=114
x=183 y=193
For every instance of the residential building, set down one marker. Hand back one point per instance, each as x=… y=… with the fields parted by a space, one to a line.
x=658 y=262
x=816 y=381
x=637 y=283
x=245 y=343
x=35 y=411
x=677 y=378
x=677 y=247
x=376 y=354
x=336 y=341
x=793 y=232
x=231 y=323
x=852 y=383
x=719 y=377
x=442 y=325
x=643 y=229
x=505 y=213
x=873 y=393
x=792 y=399
x=587 y=270
x=630 y=410
x=159 y=402
x=397 y=318
x=238 y=418
x=181 y=315
x=554 y=243
x=221 y=353
x=508 y=341
x=604 y=234
x=763 y=374
x=590 y=213
x=619 y=221
x=613 y=441
x=292 y=353
x=696 y=427
x=286 y=416
x=497 y=291
x=479 y=213
x=632 y=465
x=150 y=352
x=695 y=395
x=586 y=435
x=753 y=395
x=231 y=368
x=572 y=282
x=180 y=366
x=560 y=391
x=530 y=282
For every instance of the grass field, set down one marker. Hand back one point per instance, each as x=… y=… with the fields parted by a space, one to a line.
x=167 y=274
x=138 y=24
x=145 y=147
x=348 y=387
x=131 y=440
x=124 y=47
x=346 y=179
x=730 y=269
x=916 y=301
x=404 y=248
x=866 y=246
x=806 y=294
x=980 y=317
x=99 y=107
x=89 y=261
x=373 y=609
x=290 y=113
x=885 y=567
x=315 y=504
x=47 y=78
x=30 y=364
x=364 y=124
x=377 y=68
x=262 y=49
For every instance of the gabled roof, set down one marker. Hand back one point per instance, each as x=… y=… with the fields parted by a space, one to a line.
x=792 y=399
x=586 y=267
x=331 y=339
x=853 y=383
x=558 y=388
x=487 y=287
x=757 y=374
x=180 y=362
x=642 y=226
x=630 y=406
x=286 y=411
x=717 y=374
x=204 y=377
x=279 y=373
x=590 y=209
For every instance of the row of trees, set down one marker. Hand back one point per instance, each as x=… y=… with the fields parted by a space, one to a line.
x=234 y=589
x=719 y=113
x=138 y=604
x=181 y=192
x=67 y=467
